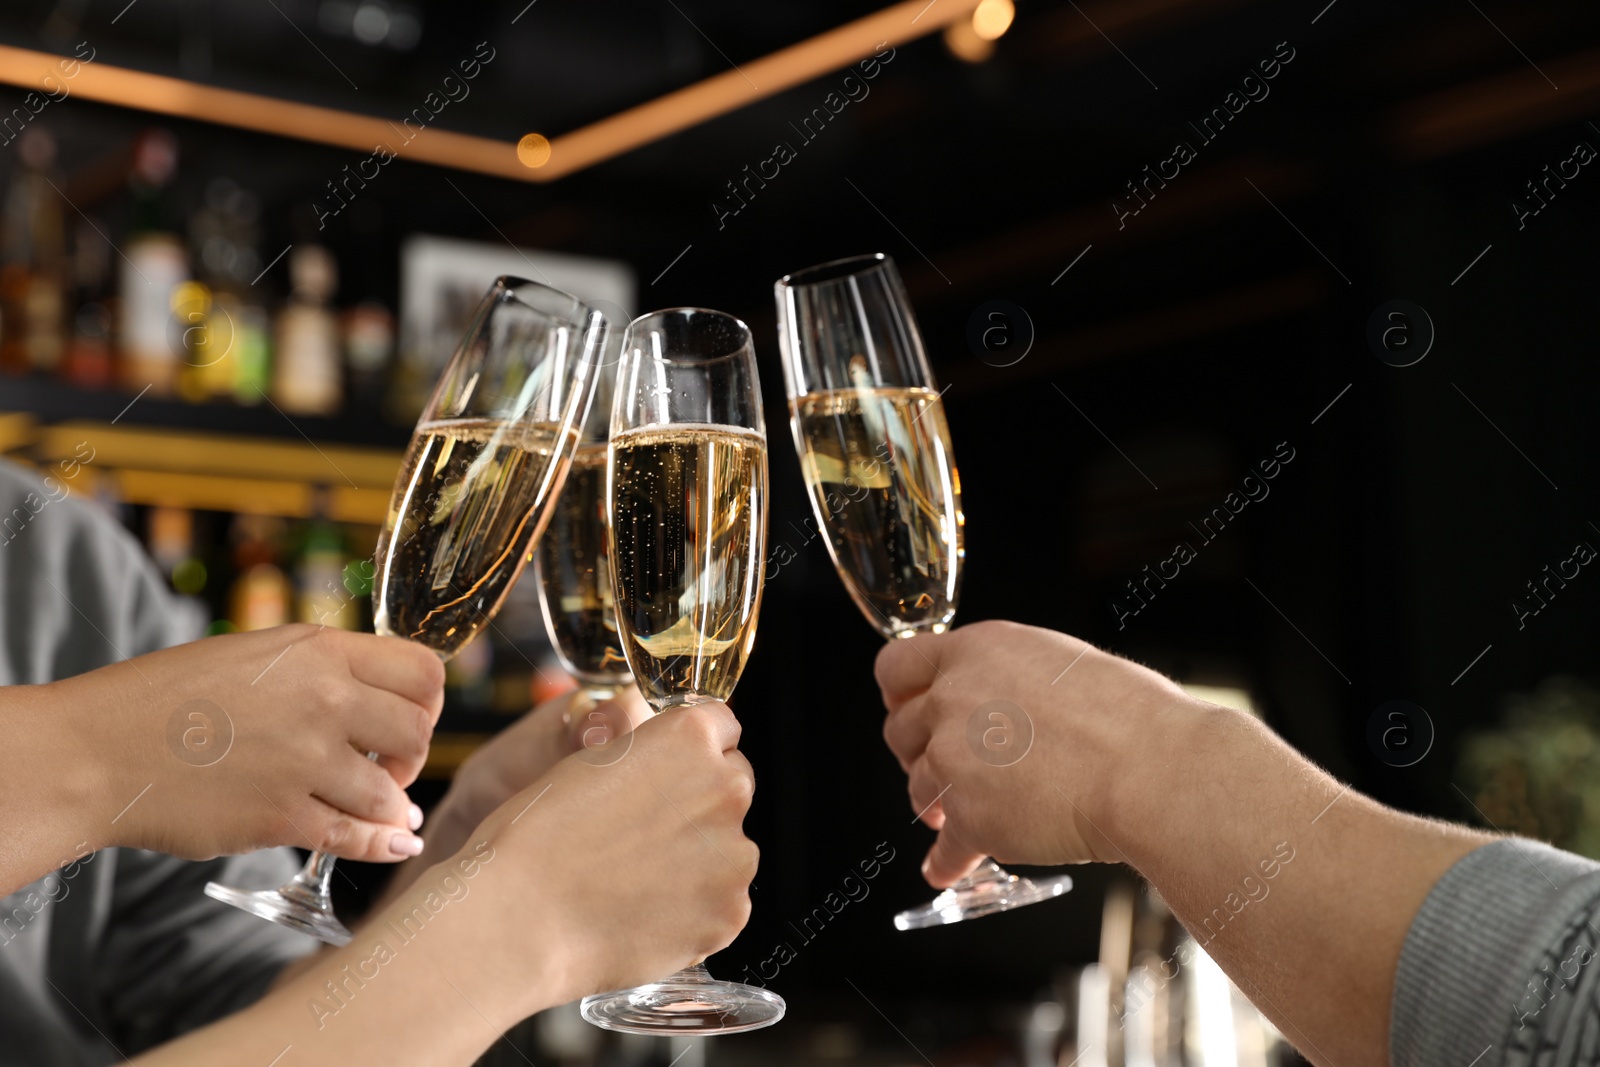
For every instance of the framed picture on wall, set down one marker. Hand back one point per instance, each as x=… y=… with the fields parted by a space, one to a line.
x=442 y=279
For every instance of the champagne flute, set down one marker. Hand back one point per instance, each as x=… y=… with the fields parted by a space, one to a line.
x=687 y=505
x=573 y=566
x=874 y=448
x=485 y=463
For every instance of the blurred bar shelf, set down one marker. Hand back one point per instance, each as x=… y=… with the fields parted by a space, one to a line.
x=214 y=457
x=51 y=401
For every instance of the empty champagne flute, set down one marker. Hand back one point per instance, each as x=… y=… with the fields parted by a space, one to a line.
x=875 y=452
x=687 y=505
x=485 y=463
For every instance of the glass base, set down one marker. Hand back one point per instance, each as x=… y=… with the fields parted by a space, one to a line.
x=689 y=1002
x=987 y=890
x=289 y=906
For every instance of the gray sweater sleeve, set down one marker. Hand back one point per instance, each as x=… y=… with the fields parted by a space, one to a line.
x=130 y=950
x=1495 y=969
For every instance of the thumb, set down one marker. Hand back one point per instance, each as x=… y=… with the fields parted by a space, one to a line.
x=949 y=861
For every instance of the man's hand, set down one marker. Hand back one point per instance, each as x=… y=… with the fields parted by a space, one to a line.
x=1070 y=712
x=1205 y=802
x=246 y=741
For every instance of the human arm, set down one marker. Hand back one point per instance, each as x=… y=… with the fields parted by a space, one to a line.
x=512 y=760
x=1201 y=800
x=526 y=915
x=225 y=745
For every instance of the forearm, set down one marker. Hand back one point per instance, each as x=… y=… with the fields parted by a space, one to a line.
x=1300 y=889
x=447 y=831
x=53 y=797
x=416 y=985
x=539 y=742
x=493 y=774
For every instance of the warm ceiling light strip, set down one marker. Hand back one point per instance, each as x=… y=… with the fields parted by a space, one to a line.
x=264 y=114
x=570 y=152
x=748 y=83
x=1504 y=105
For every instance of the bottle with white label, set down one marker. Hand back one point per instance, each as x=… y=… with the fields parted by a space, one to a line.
x=154 y=263
x=308 y=373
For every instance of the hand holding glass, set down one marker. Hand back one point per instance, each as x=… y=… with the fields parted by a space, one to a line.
x=485 y=463
x=688 y=521
x=874 y=448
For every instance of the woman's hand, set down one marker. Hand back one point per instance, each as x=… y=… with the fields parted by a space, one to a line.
x=524 y=752
x=517 y=757
x=610 y=874
x=245 y=741
x=603 y=875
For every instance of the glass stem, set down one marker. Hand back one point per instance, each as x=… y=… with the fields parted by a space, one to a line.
x=595 y=694
x=695 y=972
x=590 y=696
x=987 y=871
x=311 y=885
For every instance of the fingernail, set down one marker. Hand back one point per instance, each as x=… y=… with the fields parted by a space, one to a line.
x=415 y=821
x=403 y=844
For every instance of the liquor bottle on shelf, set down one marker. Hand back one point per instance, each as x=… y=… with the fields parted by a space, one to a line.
x=155 y=263
x=33 y=261
x=361 y=544
x=225 y=231
x=203 y=340
x=226 y=331
x=252 y=353
x=88 y=360
x=261 y=594
x=308 y=379
x=319 y=573
x=469 y=675
x=170 y=540
x=368 y=350
x=168 y=535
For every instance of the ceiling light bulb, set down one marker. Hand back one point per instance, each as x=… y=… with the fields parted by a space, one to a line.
x=371 y=24
x=992 y=18
x=533 y=150
x=964 y=42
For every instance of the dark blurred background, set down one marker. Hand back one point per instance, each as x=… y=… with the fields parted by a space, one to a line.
x=1140 y=371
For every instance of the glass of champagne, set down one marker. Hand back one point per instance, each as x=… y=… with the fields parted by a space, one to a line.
x=874 y=449
x=687 y=505
x=573 y=568
x=485 y=464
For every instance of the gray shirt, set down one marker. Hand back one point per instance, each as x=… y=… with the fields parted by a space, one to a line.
x=1498 y=966
x=120 y=950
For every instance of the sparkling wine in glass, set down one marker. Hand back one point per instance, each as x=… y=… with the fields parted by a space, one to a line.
x=687 y=503
x=869 y=426
x=484 y=466
x=573 y=566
